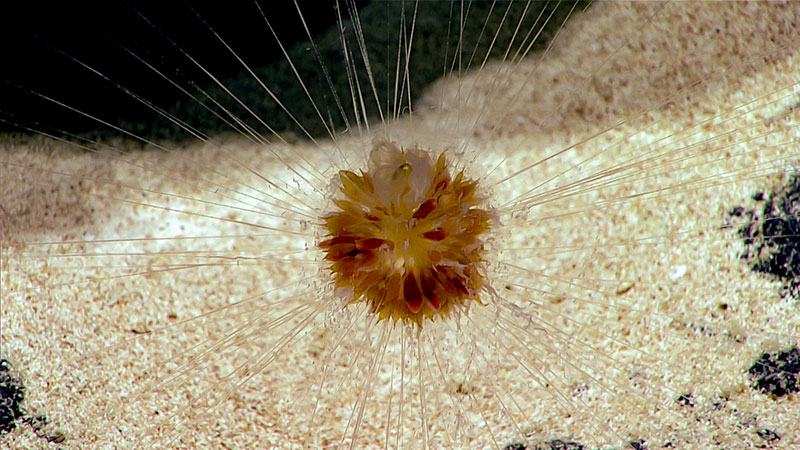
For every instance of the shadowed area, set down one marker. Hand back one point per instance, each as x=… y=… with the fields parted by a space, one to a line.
x=121 y=41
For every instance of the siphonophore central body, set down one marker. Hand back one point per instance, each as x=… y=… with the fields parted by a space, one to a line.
x=407 y=237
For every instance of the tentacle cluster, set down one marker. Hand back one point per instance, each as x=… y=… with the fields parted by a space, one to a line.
x=407 y=236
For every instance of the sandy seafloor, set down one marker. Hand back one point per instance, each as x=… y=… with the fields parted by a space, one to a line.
x=649 y=266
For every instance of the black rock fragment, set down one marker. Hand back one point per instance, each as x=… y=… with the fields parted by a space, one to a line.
x=777 y=373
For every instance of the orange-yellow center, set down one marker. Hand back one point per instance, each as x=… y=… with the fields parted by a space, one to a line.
x=406 y=236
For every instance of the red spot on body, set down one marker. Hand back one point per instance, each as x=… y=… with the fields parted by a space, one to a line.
x=436 y=234
x=424 y=209
x=412 y=294
x=369 y=244
x=429 y=283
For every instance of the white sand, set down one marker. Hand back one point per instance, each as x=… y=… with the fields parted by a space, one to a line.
x=70 y=322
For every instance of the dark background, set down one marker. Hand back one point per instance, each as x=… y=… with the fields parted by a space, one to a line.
x=45 y=44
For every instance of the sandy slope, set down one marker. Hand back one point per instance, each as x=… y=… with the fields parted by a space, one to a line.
x=74 y=341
